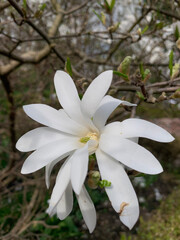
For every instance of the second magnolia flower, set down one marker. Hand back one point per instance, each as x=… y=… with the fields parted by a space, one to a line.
x=77 y=131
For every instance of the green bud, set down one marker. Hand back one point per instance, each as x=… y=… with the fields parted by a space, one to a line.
x=146 y=72
x=114 y=27
x=147 y=75
x=140 y=95
x=178 y=43
x=104 y=183
x=175 y=71
x=103 y=18
x=93 y=179
x=68 y=68
x=162 y=97
x=125 y=66
x=176 y=94
x=139 y=31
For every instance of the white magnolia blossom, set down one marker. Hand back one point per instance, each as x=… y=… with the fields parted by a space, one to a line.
x=77 y=131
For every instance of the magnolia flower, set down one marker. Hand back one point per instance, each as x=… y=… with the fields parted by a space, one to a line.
x=77 y=131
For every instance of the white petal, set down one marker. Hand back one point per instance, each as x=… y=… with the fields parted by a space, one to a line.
x=134 y=139
x=138 y=128
x=62 y=181
x=141 y=128
x=130 y=154
x=83 y=120
x=68 y=95
x=87 y=208
x=65 y=205
x=121 y=193
x=79 y=168
x=106 y=107
x=52 y=213
x=51 y=117
x=49 y=168
x=48 y=153
x=114 y=128
x=39 y=137
x=95 y=92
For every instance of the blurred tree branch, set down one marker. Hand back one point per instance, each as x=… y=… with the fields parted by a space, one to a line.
x=167 y=13
x=4 y=5
x=34 y=55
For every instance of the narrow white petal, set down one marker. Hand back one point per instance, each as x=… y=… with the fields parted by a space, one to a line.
x=79 y=168
x=68 y=95
x=65 y=205
x=106 y=107
x=48 y=153
x=39 y=137
x=51 y=117
x=82 y=119
x=87 y=209
x=95 y=92
x=130 y=154
x=138 y=128
x=52 y=213
x=49 y=168
x=114 y=128
x=121 y=193
x=62 y=181
x=134 y=139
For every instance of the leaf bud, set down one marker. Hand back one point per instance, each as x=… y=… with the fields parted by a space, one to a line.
x=93 y=179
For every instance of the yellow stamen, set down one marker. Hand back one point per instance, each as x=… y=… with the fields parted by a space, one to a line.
x=89 y=136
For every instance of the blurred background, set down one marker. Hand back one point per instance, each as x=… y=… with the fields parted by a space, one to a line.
x=140 y=41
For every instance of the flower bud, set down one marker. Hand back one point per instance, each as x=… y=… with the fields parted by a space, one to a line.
x=125 y=66
x=178 y=43
x=147 y=75
x=162 y=97
x=176 y=94
x=175 y=71
x=113 y=28
x=93 y=179
x=103 y=18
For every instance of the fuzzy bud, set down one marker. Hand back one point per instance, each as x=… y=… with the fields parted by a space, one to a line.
x=175 y=71
x=93 y=179
x=178 y=43
x=125 y=66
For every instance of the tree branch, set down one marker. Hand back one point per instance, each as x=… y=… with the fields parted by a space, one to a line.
x=37 y=29
x=167 y=13
x=31 y=56
x=4 y=5
x=113 y=50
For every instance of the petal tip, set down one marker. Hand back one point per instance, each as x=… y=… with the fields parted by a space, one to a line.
x=157 y=170
x=25 y=107
x=76 y=189
x=47 y=185
x=171 y=138
x=129 y=222
x=109 y=72
x=91 y=227
x=18 y=145
x=24 y=171
x=49 y=211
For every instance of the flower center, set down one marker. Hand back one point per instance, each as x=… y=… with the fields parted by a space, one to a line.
x=89 y=136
